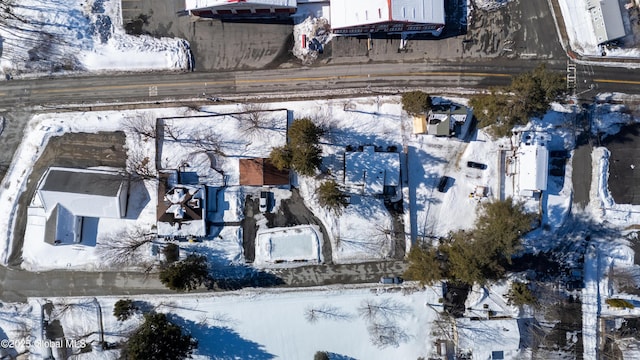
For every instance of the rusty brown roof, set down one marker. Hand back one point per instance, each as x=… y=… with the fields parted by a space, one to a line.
x=260 y=171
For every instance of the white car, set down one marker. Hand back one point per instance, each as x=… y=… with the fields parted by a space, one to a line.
x=264 y=200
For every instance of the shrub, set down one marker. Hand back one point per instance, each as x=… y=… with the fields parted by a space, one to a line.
x=321 y=355
x=123 y=309
x=187 y=274
x=159 y=338
x=171 y=253
x=520 y=294
x=416 y=102
x=330 y=196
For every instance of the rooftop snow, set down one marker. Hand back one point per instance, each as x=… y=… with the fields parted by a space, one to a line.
x=199 y=4
x=299 y=243
x=482 y=337
x=533 y=167
x=346 y=13
x=606 y=19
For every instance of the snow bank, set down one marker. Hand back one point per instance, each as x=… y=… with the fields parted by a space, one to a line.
x=43 y=37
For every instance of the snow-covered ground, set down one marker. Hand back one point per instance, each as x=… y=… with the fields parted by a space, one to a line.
x=582 y=37
x=363 y=231
x=255 y=324
x=43 y=37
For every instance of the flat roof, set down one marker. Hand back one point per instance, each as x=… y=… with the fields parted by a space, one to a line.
x=82 y=181
x=533 y=167
x=607 y=19
x=199 y=4
x=347 y=13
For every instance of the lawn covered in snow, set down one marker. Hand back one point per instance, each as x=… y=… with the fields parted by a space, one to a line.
x=43 y=37
x=363 y=322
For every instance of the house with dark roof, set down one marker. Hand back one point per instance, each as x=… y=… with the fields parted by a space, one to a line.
x=260 y=172
x=69 y=195
x=446 y=119
x=181 y=208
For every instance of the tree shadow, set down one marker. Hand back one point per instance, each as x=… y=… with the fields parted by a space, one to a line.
x=217 y=342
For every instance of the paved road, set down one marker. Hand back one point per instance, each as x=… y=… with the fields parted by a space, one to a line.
x=155 y=87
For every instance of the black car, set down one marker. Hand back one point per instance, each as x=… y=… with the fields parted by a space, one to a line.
x=475 y=165
x=442 y=184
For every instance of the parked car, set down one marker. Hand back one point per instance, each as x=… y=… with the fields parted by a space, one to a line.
x=442 y=184
x=264 y=200
x=391 y=280
x=476 y=165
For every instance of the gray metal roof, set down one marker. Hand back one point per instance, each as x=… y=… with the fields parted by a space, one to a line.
x=607 y=19
x=82 y=182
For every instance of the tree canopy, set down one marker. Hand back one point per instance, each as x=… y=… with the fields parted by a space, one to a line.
x=330 y=196
x=424 y=265
x=476 y=255
x=159 y=338
x=187 y=274
x=302 y=153
x=528 y=95
x=416 y=102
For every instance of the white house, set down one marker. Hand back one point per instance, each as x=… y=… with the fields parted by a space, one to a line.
x=69 y=195
x=372 y=173
x=533 y=166
x=349 y=17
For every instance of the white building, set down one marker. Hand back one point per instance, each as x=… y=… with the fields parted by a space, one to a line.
x=607 y=19
x=357 y=17
x=372 y=173
x=240 y=8
x=533 y=165
x=69 y=195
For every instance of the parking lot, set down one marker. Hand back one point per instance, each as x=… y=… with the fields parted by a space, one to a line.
x=521 y=29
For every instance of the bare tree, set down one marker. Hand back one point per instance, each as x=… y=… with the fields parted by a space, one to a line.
x=386 y=309
x=142 y=125
x=139 y=165
x=207 y=141
x=172 y=132
x=384 y=334
x=123 y=248
x=325 y=311
x=253 y=119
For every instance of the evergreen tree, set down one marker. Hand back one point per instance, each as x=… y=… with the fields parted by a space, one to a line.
x=330 y=196
x=187 y=274
x=123 y=309
x=416 y=102
x=158 y=338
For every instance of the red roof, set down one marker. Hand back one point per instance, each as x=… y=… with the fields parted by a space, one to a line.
x=260 y=171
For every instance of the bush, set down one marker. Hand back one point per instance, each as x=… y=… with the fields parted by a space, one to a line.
x=416 y=102
x=520 y=294
x=321 y=355
x=123 y=309
x=619 y=303
x=187 y=274
x=158 y=338
x=171 y=253
x=330 y=196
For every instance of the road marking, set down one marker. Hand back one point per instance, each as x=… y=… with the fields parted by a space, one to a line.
x=618 y=81
x=153 y=90
x=261 y=81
